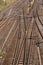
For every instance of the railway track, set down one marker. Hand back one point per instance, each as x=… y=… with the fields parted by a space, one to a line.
x=4 y=13
x=12 y=7
x=3 y=23
x=39 y=13
x=2 y=28
x=8 y=36
x=25 y=46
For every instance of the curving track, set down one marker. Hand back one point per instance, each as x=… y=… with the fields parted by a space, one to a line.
x=22 y=36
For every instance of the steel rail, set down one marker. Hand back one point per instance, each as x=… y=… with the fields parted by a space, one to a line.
x=38 y=17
